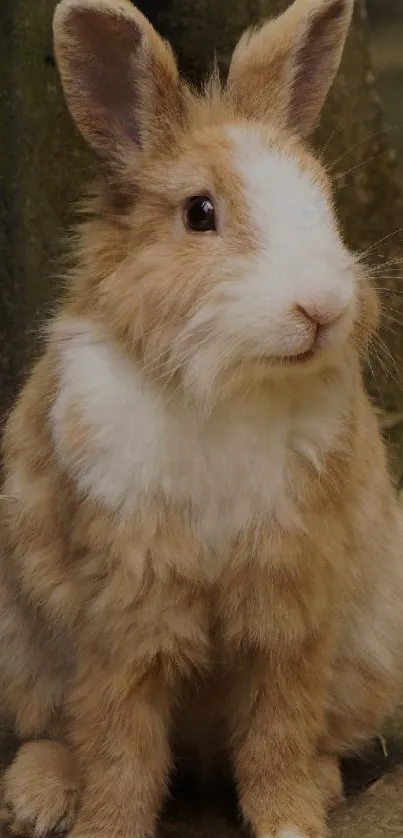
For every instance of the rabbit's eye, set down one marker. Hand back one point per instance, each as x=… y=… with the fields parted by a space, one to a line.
x=199 y=214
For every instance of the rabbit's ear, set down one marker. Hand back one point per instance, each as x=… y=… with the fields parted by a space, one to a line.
x=283 y=71
x=119 y=77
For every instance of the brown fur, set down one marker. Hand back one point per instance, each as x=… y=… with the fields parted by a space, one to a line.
x=40 y=789
x=112 y=640
x=294 y=77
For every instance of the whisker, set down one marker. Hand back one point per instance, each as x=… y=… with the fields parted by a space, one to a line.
x=377 y=359
x=394 y=274
x=378 y=275
x=360 y=165
x=382 y=364
x=364 y=140
x=372 y=371
x=392 y=280
x=377 y=243
x=392 y=319
x=397 y=377
x=386 y=263
x=329 y=140
x=387 y=306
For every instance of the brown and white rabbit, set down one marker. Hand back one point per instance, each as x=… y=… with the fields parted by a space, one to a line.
x=200 y=524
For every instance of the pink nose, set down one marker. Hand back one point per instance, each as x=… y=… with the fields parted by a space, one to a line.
x=319 y=316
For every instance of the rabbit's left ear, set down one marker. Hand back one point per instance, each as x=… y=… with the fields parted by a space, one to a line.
x=282 y=72
x=119 y=77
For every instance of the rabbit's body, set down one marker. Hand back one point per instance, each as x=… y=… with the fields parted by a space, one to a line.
x=201 y=545
x=207 y=539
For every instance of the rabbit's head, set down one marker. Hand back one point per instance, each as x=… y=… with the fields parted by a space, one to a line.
x=222 y=260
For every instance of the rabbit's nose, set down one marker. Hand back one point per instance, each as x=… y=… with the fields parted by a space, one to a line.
x=320 y=315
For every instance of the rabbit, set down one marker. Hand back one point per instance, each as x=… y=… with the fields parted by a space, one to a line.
x=200 y=538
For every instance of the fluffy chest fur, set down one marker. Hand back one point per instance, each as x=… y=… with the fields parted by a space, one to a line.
x=129 y=443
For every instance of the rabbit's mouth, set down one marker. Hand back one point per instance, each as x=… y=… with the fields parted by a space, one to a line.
x=292 y=360
x=301 y=358
x=274 y=362
x=309 y=361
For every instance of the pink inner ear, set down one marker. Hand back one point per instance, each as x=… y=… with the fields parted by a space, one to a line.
x=315 y=54
x=102 y=90
x=322 y=22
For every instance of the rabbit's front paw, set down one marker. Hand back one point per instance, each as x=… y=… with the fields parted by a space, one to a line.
x=40 y=790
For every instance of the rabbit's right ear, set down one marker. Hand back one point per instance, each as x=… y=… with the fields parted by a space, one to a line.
x=120 y=78
x=283 y=71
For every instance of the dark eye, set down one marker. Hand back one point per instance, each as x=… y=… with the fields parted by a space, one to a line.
x=199 y=214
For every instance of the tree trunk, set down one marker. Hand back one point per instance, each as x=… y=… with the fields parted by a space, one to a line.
x=43 y=163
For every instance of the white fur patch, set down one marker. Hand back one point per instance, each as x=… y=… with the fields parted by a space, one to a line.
x=299 y=260
x=302 y=259
x=230 y=469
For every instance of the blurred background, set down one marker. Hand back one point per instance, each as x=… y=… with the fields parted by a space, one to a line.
x=386 y=22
